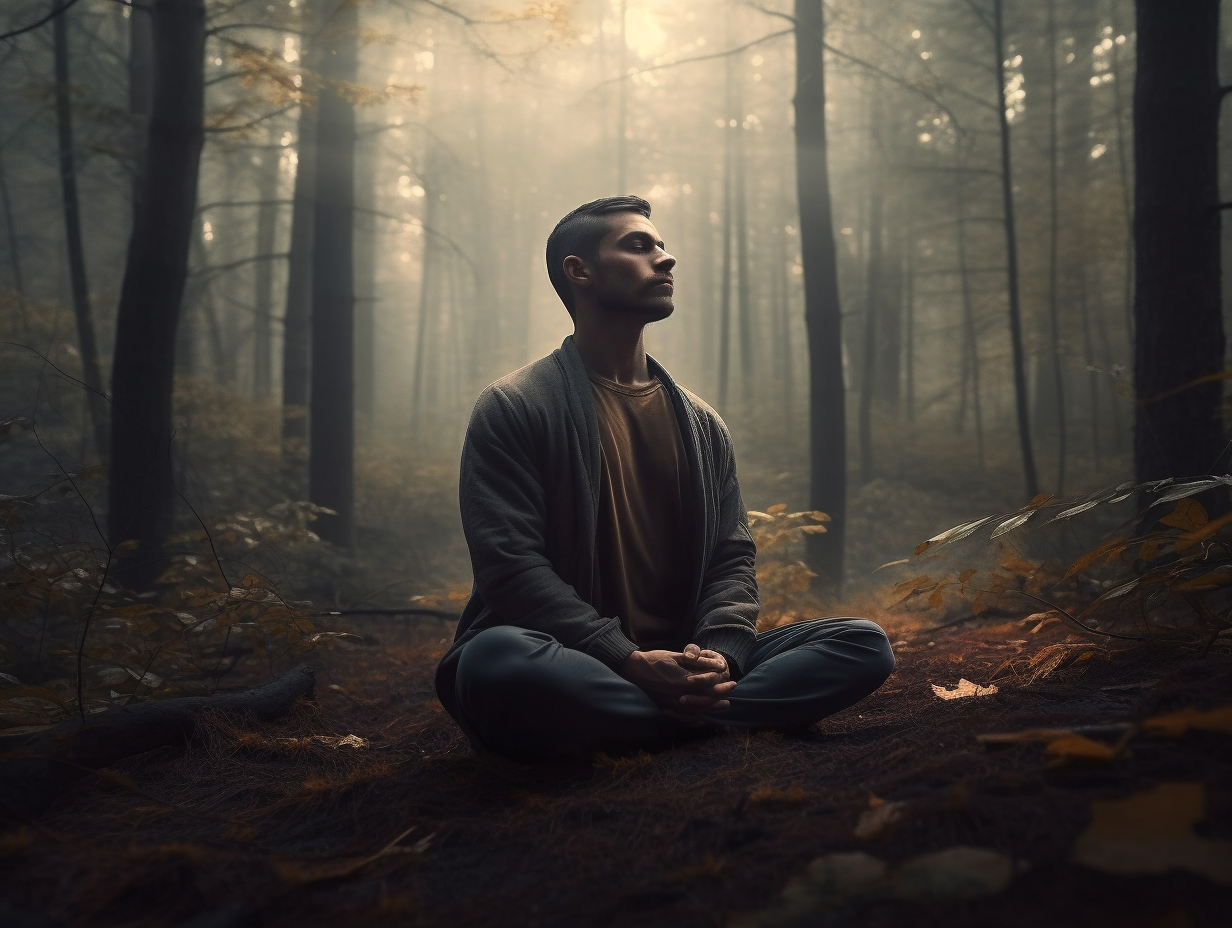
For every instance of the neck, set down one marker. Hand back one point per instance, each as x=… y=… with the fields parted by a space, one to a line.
x=612 y=346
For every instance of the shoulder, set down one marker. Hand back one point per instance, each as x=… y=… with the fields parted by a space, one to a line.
x=711 y=422
x=524 y=390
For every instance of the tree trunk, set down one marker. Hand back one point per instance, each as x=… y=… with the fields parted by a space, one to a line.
x=822 y=311
x=141 y=490
x=872 y=309
x=90 y=374
x=744 y=290
x=331 y=463
x=263 y=290
x=140 y=86
x=1054 y=232
x=1178 y=325
x=971 y=345
x=1127 y=206
x=365 y=283
x=297 y=318
x=725 y=285
x=1011 y=261
x=19 y=284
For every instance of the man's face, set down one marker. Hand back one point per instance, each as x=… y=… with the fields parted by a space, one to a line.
x=634 y=273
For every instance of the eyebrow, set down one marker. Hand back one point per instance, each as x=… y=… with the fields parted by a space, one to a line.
x=643 y=235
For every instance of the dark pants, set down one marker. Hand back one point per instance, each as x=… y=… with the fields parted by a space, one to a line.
x=522 y=693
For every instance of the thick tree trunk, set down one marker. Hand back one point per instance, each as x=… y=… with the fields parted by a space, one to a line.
x=141 y=490
x=1179 y=336
x=971 y=345
x=331 y=463
x=90 y=373
x=822 y=311
x=38 y=768
x=1011 y=261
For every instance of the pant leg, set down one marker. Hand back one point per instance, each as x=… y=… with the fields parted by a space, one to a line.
x=803 y=672
x=524 y=694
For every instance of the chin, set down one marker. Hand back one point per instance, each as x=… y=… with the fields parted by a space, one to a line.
x=658 y=309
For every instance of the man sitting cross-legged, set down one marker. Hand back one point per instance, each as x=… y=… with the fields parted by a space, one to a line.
x=615 y=600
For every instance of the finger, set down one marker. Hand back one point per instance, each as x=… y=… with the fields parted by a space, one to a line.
x=692 y=651
x=704 y=679
x=699 y=703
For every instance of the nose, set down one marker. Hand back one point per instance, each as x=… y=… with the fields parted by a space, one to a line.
x=665 y=262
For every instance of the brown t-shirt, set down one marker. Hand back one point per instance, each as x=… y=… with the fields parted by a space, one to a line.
x=645 y=542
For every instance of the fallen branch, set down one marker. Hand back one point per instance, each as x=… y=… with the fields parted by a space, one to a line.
x=43 y=765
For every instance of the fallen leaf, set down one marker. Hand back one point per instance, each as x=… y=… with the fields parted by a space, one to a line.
x=1175 y=724
x=1152 y=832
x=965 y=688
x=1080 y=747
x=877 y=820
x=956 y=873
x=316 y=871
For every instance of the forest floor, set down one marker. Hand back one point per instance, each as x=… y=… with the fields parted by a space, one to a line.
x=287 y=825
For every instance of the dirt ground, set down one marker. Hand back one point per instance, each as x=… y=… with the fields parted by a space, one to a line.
x=274 y=826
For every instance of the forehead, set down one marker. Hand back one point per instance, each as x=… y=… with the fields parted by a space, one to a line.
x=621 y=224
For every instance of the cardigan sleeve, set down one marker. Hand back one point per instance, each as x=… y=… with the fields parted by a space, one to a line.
x=504 y=517
x=726 y=617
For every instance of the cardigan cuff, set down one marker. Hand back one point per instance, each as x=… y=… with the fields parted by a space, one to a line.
x=735 y=644
x=612 y=646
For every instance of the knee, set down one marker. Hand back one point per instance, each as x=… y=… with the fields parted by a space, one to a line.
x=880 y=656
x=870 y=645
x=494 y=660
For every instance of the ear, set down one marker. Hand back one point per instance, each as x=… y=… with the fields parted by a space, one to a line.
x=576 y=272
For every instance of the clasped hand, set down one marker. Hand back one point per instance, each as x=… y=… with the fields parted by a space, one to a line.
x=686 y=684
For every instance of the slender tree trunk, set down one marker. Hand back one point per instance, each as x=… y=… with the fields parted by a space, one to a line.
x=971 y=346
x=1054 y=232
x=872 y=309
x=1123 y=144
x=909 y=321
x=10 y=231
x=331 y=462
x=427 y=292
x=141 y=489
x=297 y=317
x=1178 y=322
x=725 y=286
x=622 y=106
x=744 y=290
x=76 y=250
x=1011 y=261
x=263 y=278
x=823 y=312
x=365 y=283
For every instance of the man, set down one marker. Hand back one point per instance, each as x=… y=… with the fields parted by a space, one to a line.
x=615 y=600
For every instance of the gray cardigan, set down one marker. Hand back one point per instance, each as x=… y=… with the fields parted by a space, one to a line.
x=529 y=493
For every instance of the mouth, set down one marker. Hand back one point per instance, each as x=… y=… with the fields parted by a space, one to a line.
x=663 y=282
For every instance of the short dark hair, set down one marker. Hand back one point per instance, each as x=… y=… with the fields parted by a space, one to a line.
x=580 y=232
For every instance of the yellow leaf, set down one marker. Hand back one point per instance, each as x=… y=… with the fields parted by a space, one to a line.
x=1189 y=516
x=777 y=508
x=1175 y=724
x=1152 y=832
x=1092 y=556
x=1039 y=501
x=250 y=581
x=875 y=821
x=1080 y=747
x=967 y=575
x=813 y=529
x=964 y=689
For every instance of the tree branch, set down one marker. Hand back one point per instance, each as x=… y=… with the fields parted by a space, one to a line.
x=248 y=125
x=34 y=25
x=710 y=57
